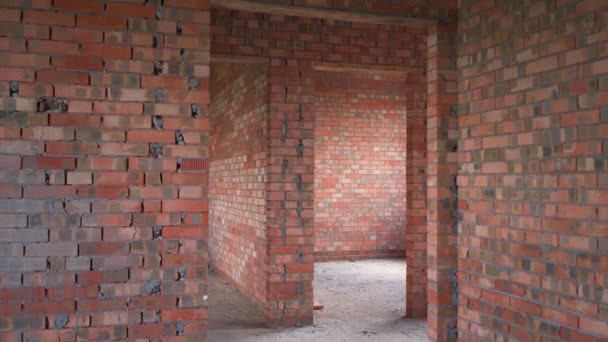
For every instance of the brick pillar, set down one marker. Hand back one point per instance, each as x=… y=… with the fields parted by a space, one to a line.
x=416 y=200
x=441 y=182
x=290 y=185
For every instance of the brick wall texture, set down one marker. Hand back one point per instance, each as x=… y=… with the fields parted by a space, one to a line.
x=104 y=136
x=360 y=164
x=237 y=217
x=291 y=45
x=103 y=185
x=533 y=186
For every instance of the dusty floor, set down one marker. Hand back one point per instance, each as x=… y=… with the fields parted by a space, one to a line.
x=364 y=301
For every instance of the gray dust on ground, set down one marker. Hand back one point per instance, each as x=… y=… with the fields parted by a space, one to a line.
x=363 y=301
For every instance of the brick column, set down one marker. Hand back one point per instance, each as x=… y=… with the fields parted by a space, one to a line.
x=416 y=200
x=290 y=184
x=442 y=191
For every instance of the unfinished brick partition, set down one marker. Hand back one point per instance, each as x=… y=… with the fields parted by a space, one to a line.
x=237 y=216
x=102 y=237
x=360 y=163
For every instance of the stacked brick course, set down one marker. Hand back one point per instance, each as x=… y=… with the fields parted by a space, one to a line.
x=103 y=184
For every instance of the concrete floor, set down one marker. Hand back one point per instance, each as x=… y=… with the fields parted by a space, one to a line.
x=364 y=301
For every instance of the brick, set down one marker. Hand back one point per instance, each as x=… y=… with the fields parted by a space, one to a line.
x=49 y=307
x=119 y=121
x=597 y=327
x=79 y=178
x=24 y=235
x=118 y=178
x=74 y=234
x=131 y=10
x=115 y=79
x=182 y=232
x=78 y=264
x=8 y=74
x=74 y=34
x=117 y=206
x=10 y=15
x=102 y=163
x=47 y=133
x=39 y=17
x=143 y=67
x=175 y=82
x=101 y=22
x=103 y=191
x=13 y=221
x=79 y=6
x=52 y=47
x=97 y=305
x=182 y=151
x=132 y=39
x=183 y=314
x=71 y=148
x=30 y=323
x=22 y=264
x=100 y=220
x=80 y=92
x=98 y=333
x=23 y=206
x=183 y=179
x=103 y=248
x=77 y=62
x=21 y=147
x=106 y=51
x=133 y=95
x=151 y=136
x=11 y=190
x=58 y=220
x=51 y=249
x=63 y=163
x=49 y=191
x=117 y=263
x=8 y=44
x=10 y=162
x=124 y=149
x=98 y=277
x=147 y=330
x=52 y=76
x=185 y=206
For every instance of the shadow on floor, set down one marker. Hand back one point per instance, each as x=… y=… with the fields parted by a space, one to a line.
x=229 y=308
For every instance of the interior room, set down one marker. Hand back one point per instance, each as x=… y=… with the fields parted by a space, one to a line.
x=303 y=170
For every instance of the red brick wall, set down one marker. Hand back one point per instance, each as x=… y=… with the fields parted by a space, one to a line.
x=360 y=159
x=239 y=110
x=101 y=236
x=291 y=45
x=533 y=184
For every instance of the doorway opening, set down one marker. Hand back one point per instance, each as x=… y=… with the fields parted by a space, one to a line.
x=360 y=201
